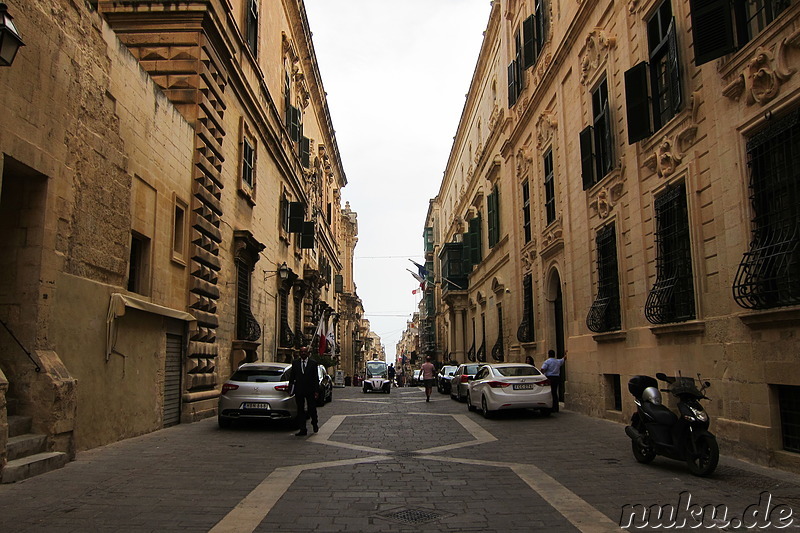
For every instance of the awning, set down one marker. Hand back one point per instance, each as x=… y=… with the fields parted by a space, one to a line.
x=117 y=308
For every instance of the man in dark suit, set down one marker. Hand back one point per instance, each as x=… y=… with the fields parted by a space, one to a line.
x=304 y=383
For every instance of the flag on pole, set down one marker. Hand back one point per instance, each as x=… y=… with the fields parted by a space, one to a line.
x=418 y=278
x=321 y=335
x=423 y=272
x=330 y=340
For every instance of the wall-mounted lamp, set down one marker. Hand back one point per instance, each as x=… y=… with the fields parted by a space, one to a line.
x=10 y=41
x=282 y=272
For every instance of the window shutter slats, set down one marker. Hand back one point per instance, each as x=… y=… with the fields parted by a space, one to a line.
x=712 y=29
x=541 y=25
x=305 y=152
x=512 y=84
x=529 y=41
x=587 y=157
x=307 y=238
x=297 y=213
x=637 y=103
x=674 y=68
x=475 y=250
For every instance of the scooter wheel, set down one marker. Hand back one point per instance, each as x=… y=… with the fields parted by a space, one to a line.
x=642 y=452
x=704 y=461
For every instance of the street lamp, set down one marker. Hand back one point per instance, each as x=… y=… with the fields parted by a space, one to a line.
x=10 y=41
x=282 y=272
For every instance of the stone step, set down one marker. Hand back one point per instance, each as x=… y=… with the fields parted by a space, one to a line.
x=33 y=465
x=19 y=425
x=24 y=445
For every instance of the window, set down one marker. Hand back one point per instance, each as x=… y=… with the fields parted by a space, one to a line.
x=307 y=240
x=251 y=26
x=179 y=230
x=493 y=209
x=525 y=332
x=454 y=263
x=769 y=273
x=596 y=140
x=248 y=163
x=604 y=315
x=671 y=299
x=614 y=388
x=516 y=80
x=139 y=263
x=526 y=211
x=789 y=401
x=723 y=26
x=549 y=188
x=247 y=328
x=534 y=31
x=305 y=152
x=649 y=110
x=295 y=124
x=428 y=236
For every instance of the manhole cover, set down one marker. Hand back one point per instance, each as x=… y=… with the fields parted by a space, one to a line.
x=412 y=516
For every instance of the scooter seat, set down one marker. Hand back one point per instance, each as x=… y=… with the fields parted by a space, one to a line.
x=660 y=414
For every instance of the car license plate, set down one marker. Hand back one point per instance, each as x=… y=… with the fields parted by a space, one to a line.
x=252 y=405
x=523 y=386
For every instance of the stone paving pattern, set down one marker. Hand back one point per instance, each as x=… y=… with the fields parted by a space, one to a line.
x=189 y=477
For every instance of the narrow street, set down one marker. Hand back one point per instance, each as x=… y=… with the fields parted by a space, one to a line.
x=379 y=463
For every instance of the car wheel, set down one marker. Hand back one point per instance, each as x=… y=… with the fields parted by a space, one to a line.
x=224 y=423
x=365 y=389
x=546 y=412
x=485 y=408
x=469 y=403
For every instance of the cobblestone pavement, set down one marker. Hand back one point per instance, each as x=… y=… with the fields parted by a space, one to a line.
x=383 y=463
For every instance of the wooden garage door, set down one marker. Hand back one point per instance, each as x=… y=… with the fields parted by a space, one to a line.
x=172 y=380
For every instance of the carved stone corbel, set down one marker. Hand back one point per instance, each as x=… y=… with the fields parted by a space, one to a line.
x=524 y=161
x=594 y=52
x=764 y=74
x=545 y=128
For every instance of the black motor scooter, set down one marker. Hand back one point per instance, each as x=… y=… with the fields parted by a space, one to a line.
x=656 y=430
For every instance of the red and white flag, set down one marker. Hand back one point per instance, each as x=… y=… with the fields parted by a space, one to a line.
x=321 y=336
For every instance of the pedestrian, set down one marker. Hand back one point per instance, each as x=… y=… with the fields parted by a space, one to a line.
x=304 y=383
x=529 y=360
x=552 y=370
x=427 y=374
x=391 y=373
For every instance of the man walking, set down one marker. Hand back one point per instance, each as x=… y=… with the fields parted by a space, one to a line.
x=552 y=370
x=428 y=376
x=304 y=383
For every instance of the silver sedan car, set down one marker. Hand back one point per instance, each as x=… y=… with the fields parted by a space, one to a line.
x=509 y=386
x=257 y=391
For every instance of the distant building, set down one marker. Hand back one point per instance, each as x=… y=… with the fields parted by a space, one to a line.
x=621 y=186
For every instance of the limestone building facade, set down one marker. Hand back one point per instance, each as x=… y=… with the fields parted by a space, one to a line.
x=171 y=192
x=622 y=186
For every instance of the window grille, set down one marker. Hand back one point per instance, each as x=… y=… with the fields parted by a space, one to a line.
x=525 y=332
x=549 y=188
x=481 y=355
x=286 y=333
x=471 y=352
x=604 y=315
x=769 y=273
x=671 y=299
x=497 y=349
x=789 y=400
x=247 y=328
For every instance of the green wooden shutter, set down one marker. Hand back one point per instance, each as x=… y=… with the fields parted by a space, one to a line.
x=294 y=124
x=475 y=250
x=307 y=237
x=587 y=157
x=305 y=152
x=490 y=218
x=637 y=103
x=512 y=84
x=529 y=48
x=297 y=213
x=712 y=29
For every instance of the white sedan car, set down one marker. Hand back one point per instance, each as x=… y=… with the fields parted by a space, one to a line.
x=509 y=386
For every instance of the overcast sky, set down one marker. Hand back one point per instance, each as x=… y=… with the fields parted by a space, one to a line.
x=396 y=73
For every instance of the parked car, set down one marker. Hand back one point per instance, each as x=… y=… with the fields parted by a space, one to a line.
x=257 y=390
x=325 y=393
x=460 y=380
x=377 y=379
x=443 y=378
x=509 y=386
x=416 y=378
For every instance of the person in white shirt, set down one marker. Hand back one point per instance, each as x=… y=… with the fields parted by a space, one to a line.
x=552 y=370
